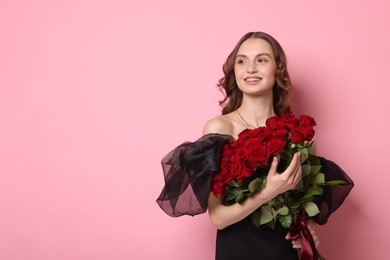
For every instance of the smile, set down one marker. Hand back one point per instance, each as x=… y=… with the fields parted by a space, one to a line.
x=252 y=79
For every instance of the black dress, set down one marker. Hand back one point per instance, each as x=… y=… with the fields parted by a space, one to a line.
x=244 y=241
x=188 y=172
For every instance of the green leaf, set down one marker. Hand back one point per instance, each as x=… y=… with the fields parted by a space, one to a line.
x=266 y=215
x=335 y=182
x=256 y=217
x=229 y=196
x=235 y=183
x=286 y=220
x=228 y=203
x=304 y=153
x=240 y=198
x=311 y=209
x=299 y=185
x=319 y=178
x=306 y=168
x=271 y=203
x=314 y=160
x=255 y=185
x=313 y=191
x=315 y=169
x=282 y=211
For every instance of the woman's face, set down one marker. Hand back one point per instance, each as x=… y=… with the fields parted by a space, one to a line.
x=255 y=67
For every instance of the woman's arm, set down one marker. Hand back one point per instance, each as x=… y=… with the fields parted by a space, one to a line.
x=222 y=216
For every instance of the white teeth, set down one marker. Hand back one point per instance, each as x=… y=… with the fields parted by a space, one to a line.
x=252 y=79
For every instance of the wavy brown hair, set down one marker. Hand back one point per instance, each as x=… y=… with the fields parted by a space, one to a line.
x=281 y=90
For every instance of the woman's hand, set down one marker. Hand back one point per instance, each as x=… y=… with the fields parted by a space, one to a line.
x=311 y=225
x=278 y=183
x=222 y=216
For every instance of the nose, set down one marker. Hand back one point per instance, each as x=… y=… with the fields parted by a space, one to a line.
x=252 y=68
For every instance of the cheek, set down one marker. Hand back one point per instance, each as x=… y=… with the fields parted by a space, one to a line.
x=236 y=70
x=272 y=71
x=237 y=73
x=239 y=80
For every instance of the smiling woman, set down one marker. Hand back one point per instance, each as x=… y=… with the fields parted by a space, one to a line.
x=269 y=51
x=258 y=88
x=255 y=68
x=253 y=71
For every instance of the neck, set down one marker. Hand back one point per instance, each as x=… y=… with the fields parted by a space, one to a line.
x=256 y=110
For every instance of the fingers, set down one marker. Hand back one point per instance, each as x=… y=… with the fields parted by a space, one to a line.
x=298 y=174
x=296 y=243
x=316 y=240
x=294 y=171
x=311 y=225
x=297 y=171
x=278 y=183
x=274 y=166
x=295 y=162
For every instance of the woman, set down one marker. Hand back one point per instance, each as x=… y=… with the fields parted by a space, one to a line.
x=257 y=87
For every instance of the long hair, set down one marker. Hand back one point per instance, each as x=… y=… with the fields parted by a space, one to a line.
x=281 y=90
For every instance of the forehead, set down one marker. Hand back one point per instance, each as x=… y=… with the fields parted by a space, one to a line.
x=255 y=46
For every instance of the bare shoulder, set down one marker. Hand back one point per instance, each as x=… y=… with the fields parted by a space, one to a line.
x=221 y=124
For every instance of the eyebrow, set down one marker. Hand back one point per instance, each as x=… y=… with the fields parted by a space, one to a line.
x=258 y=55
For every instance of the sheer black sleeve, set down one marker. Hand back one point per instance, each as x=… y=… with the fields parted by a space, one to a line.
x=188 y=171
x=333 y=196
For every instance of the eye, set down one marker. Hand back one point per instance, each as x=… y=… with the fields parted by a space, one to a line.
x=240 y=61
x=262 y=60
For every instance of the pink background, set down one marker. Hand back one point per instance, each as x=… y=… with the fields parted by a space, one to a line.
x=94 y=93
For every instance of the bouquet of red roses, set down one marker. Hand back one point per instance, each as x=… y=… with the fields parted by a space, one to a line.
x=237 y=169
x=246 y=162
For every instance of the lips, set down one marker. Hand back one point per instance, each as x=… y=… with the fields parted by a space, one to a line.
x=252 y=79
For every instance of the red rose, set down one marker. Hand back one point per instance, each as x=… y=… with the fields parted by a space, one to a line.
x=233 y=145
x=276 y=146
x=236 y=168
x=256 y=132
x=274 y=122
x=224 y=176
x=267 y=134
x=297 y=135
x=309 y=133
x=252 y=141
x=248 y=167
x=244 y=134
x=290 y=121
x=242 y=152
x=280 y=134
x=306 y=125
x=224 y=163
x=307 y=122
x=218 y=189
x=258 y=154
x=227 y=151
